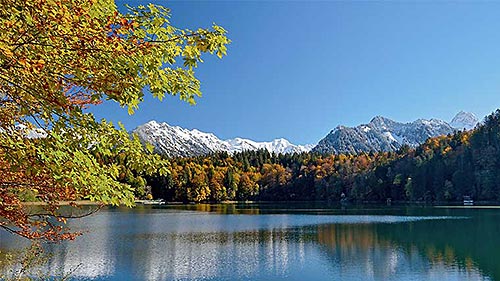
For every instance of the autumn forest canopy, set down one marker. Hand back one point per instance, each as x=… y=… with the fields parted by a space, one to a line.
x=444 y=168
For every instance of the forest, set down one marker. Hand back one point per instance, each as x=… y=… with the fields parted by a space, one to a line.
x=442 y=169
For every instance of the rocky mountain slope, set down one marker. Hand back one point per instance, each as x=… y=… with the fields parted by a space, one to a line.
x=383 y=134
x=464 y=120
x=174 y=141
x=380 y=134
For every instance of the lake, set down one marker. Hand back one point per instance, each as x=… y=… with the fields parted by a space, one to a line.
x=279 y=242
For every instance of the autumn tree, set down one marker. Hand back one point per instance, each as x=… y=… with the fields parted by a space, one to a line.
x=58 y=57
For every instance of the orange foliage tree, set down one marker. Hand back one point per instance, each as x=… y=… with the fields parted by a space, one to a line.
x=58 y=57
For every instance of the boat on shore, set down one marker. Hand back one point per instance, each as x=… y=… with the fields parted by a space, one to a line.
x=468 y=201
x=150 y=202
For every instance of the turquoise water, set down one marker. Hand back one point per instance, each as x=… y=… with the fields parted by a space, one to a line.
x=280 y=242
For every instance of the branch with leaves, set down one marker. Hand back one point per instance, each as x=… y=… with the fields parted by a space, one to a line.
x=58 y=57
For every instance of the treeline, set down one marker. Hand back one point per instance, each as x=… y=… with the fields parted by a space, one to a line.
x=444 y=168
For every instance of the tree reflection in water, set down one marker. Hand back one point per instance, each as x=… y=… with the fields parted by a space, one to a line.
x=169 y=244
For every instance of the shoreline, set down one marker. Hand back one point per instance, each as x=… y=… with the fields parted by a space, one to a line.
x=479 y=204
x=64 y=203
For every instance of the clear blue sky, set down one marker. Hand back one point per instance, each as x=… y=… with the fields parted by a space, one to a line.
x=298 y=69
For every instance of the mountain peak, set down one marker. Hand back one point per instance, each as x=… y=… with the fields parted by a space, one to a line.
x=151 y=123
x=381 y=122
x=176 y=141
x=464 y=120
x=379 y=118
x=281 y=141
x=381 y=134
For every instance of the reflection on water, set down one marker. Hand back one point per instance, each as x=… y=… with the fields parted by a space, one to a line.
x=252 y=242
x=366 y=248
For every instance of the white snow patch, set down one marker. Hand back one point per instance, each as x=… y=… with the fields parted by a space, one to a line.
x=365 y=128
x=174 y=140
x=390 y=136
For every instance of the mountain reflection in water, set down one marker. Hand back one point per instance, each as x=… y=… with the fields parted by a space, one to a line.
x=227 y=243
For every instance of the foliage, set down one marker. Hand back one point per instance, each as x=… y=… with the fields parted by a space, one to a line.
x=58 y=57
x=23 y=264
x=444 y=168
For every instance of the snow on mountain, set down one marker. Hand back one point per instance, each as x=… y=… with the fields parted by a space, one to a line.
x=464 y=120
x=31 y=133
x=380 y=134
x=384 y=134
x=277 y=146
x=175 y=141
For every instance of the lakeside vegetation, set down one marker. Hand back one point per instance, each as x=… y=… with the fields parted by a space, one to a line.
x=444 y=168
x=57 y=59
x=52 y=149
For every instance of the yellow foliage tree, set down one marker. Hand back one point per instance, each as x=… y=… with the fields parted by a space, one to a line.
x=56 y=58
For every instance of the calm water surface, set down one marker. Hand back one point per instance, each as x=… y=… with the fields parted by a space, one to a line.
x=280 y=242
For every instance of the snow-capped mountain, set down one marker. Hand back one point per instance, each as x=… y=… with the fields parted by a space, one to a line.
x=31 y=133
x=380 y=134
x=464 y=120
x=383 y=134
x=174 y=141
x=277 y=146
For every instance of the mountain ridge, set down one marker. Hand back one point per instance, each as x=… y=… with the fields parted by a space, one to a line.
x=175 y=141
x=380 y=134
x=384 y=134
